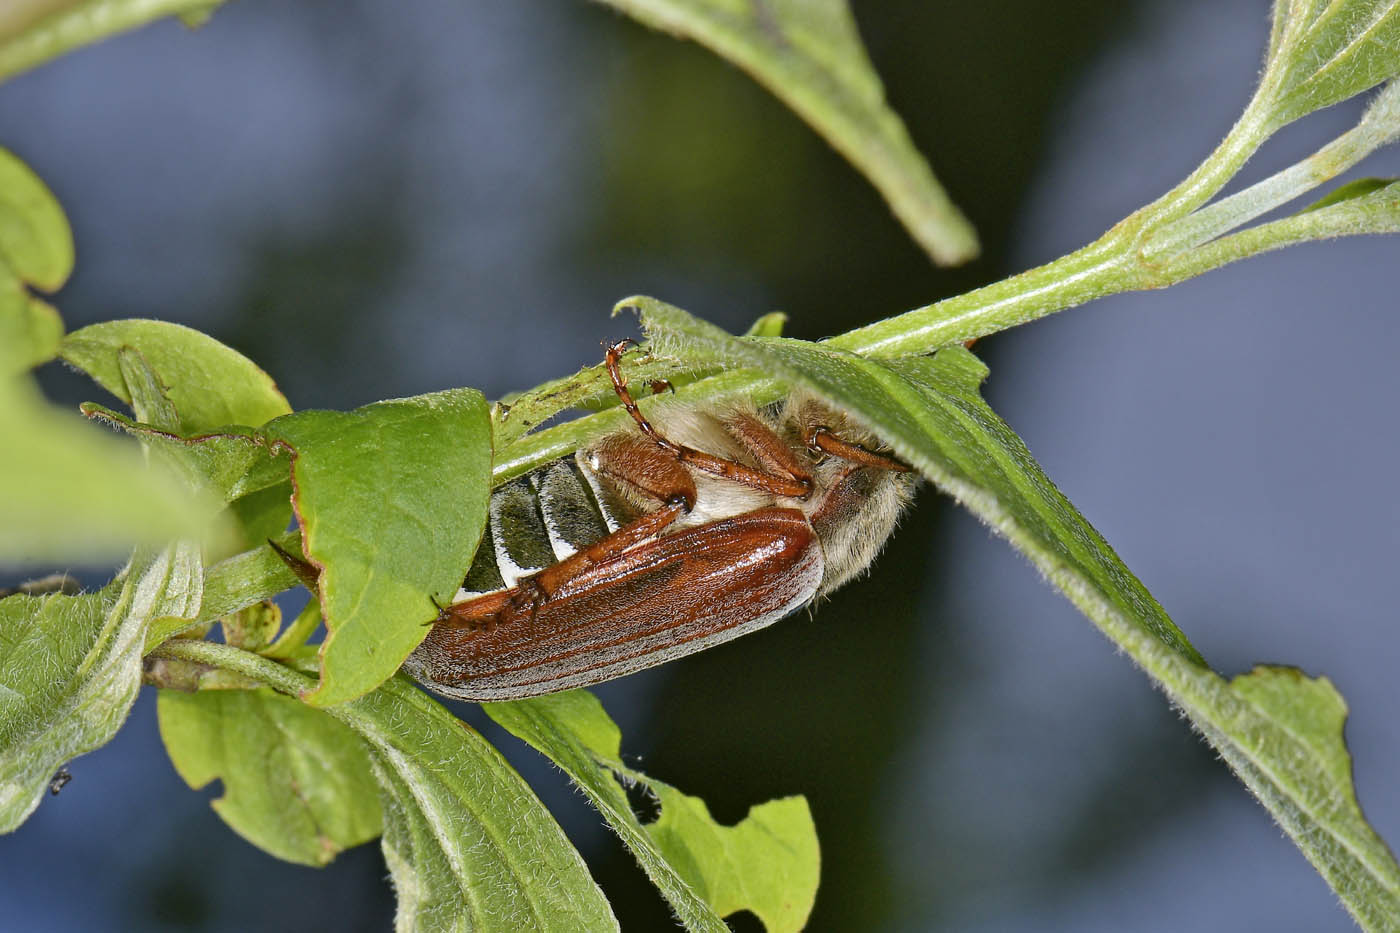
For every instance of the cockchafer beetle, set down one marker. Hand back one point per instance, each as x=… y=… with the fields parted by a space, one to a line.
x=651 y=544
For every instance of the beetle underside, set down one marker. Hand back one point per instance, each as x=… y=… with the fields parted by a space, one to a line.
x=701 y=526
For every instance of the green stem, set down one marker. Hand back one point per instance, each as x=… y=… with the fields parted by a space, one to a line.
x=297 y=633
x=1101 y=268
x=1379 y=126
x=226 y=657
x=1254 y=126
x=1341 y=220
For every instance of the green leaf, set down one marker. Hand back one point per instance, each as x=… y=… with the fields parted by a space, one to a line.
x=240 y=469
x=34 y=31
x=1360 y=188
x=1367 y=206
x=809 y=54
x=211 y=385
x=232 y=464
x=1321 y=53
x=391 y=499
x=235 y=583
x=35 y=240
x=30 y=329
x=69 y=494
x=768 y=863
x=70 y=667
x=297 y=783
x=36 y=249
x=1280 y=732
x=769 y=325
x=469 y=846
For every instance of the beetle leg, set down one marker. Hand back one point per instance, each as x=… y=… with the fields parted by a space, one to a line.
x=772 y=452
x=822 y=440
x=529 y=593
x=799 y=487
x=625 y=459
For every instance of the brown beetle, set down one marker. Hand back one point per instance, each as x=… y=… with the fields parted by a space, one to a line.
x=652 y=544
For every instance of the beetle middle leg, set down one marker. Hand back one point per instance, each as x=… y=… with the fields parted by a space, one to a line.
x=786 y=480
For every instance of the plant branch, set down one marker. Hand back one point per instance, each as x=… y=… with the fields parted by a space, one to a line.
x=226 y=657
x=1380 y=125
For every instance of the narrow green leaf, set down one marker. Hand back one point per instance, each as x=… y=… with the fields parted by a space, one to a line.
x=391 y=499
x=1368 y=206
x=149 y=401
x=809 y=54
x=769 y=325
x=768 y=863
x=34 y=31
x=211 y=385
x=1279 y=731
x=1359 y=188
x=70 y=667
x=297 y=783
x=1325 y=53
x=35 y=239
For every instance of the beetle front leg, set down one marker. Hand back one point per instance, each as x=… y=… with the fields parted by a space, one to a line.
x=795 y=484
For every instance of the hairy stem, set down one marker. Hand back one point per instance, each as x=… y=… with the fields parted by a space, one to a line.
x=225 y=657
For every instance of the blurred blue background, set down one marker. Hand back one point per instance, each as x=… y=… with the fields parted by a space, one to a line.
x=375 y=200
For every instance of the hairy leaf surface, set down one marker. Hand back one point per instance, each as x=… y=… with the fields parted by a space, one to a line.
x=70 y=667
x=469 y=846
x=1279 y=730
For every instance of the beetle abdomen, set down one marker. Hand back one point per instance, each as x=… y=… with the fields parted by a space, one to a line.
x=539 y=519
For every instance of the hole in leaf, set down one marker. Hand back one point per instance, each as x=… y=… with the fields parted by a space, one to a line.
x=644 y=804
x=744 y=921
